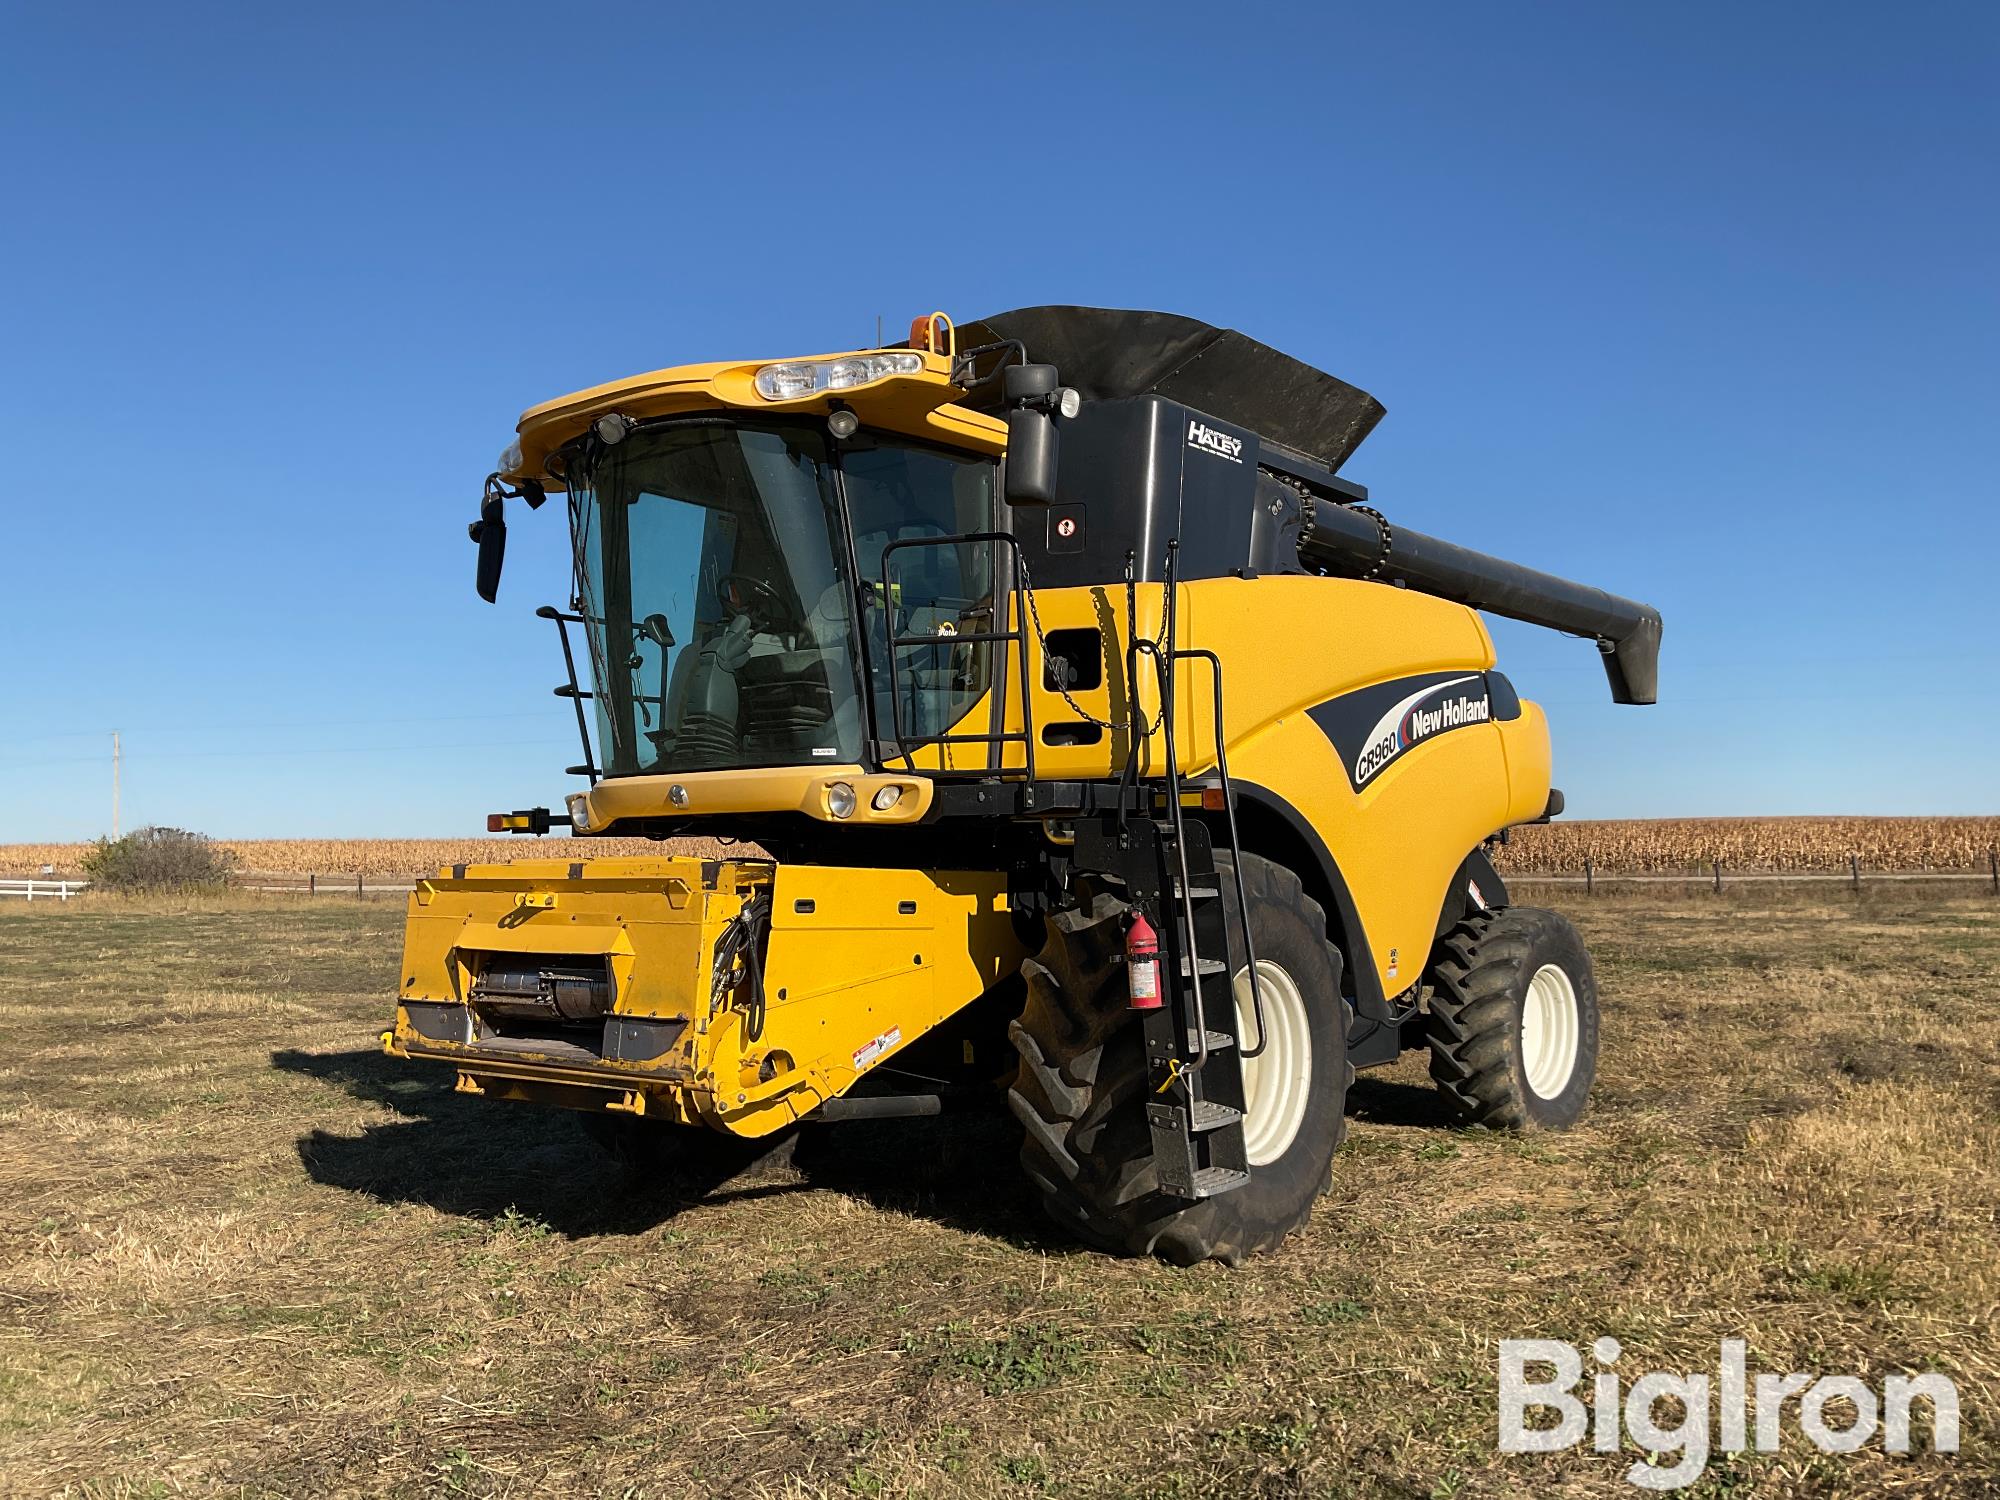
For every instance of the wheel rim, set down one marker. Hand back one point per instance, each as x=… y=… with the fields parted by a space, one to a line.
x=1550 y=1031
x=1277 y=1082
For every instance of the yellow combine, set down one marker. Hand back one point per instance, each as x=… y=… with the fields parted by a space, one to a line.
x=1089 y=740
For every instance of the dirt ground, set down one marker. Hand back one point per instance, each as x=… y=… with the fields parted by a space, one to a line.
x=243 y=1252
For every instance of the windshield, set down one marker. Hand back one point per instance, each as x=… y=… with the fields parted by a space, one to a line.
x=712 y=585
x=712 y=574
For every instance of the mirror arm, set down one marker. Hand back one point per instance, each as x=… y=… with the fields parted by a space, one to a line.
x=489 y=532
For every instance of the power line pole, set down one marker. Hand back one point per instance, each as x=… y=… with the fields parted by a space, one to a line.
x=114 y=783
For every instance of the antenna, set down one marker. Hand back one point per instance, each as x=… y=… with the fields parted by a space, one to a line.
x=114 y=783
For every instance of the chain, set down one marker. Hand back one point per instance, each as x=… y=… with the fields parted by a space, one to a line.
x=1306 y=497
x=1041 y=639
x=1381 y=526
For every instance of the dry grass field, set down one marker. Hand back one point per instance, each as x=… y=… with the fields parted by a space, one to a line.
x=1797 y=845
x=242 y=1252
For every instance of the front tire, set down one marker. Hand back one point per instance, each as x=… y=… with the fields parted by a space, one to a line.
x=1514 y=1023
x=1081 y=1090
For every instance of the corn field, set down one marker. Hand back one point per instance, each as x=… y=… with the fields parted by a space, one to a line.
x=1806 y=845
x=1636 y=846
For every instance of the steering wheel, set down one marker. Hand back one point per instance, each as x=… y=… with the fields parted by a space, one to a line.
x=743 y=594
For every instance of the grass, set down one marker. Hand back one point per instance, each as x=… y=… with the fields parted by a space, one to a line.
x=242 y=1252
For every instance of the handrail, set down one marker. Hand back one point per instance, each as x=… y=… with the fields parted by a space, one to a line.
x=1235 y=852
x=1162 y=666
x=1017 y=598
x=572 y=691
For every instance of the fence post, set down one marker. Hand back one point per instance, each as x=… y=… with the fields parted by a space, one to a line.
x=357 y=885
x=1718 y=877
x=1854 y=869
x=1993 y=864
x=63 y=888
x=312 y=884
x=1589 y=877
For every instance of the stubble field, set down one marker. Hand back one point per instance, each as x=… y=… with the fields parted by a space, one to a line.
x=242 y=1252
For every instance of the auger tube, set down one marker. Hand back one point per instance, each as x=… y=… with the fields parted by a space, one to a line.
x=1347 y=541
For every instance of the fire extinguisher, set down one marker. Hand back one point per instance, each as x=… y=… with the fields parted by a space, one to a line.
x=1142 y=964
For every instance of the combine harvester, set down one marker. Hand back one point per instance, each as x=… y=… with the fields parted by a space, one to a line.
x=1103 y=747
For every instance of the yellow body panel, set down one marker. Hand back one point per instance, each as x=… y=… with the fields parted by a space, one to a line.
x=1288 y=643
x=917 y=406
x=760 y=790
x=860 y=964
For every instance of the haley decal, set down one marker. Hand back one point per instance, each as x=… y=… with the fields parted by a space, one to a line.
x=1211 y=440
x=1374 y=727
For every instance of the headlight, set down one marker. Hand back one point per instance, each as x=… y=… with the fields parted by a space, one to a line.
x=840 y=800
x=886 y=798
x=510 y=457
x=808 y=377
x=579 y=812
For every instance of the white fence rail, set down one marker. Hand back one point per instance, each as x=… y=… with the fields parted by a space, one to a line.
x=43 y=890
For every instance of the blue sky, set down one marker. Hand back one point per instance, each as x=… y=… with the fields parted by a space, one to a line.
x=1696 y=303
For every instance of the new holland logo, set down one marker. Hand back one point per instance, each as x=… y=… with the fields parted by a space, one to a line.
x=1428 y=711
x=1221 y=444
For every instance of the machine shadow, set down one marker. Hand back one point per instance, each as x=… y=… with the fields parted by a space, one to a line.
x=477 y=1159
x=1384 y=1101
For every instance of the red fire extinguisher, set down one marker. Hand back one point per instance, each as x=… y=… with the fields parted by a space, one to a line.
x=1142 y=964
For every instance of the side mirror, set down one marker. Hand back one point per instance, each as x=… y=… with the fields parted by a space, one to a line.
x=490 y=532
x=1030 y=392
x=1031 y=457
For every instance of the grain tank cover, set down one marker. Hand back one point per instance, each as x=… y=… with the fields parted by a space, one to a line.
x=1108 y=352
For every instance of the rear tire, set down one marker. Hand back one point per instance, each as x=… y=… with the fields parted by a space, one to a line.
x=1081 y=1090
x=1513 y=1025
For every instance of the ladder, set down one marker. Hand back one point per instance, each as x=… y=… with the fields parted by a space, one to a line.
x=1166 y=863
x=1163 y=860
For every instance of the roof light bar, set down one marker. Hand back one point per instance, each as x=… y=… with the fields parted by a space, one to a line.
x=808 y=377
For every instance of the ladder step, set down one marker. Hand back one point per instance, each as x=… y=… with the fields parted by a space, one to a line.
x=1208 y=966
x=1208 y=1115
x=1201 y=887
x=1208 y=1181
x=1218 y=1041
